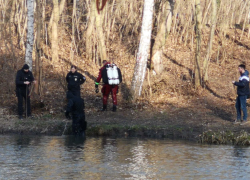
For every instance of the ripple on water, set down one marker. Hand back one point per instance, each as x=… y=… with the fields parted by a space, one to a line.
x=42 y=157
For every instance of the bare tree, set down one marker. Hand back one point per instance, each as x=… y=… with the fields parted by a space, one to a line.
x=162 y=33
x=30 y=33
x=89 y=32
x=210 y=42
x=38 y=47
x=95 y=23
x=142 y=55
x=54 y=35
x=198 y=44
x=101 y=37
x=61 y=8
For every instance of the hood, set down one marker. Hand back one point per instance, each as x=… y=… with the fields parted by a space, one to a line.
x=70 y=95
x=26 y=66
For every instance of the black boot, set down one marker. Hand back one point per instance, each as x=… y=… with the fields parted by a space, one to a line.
x=114 y=108
x=30 y=116
x=104 y=108
x=20 y=117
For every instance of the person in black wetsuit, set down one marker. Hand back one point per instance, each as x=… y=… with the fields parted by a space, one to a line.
x=75 y=80
x=24 y=78
x=76 y=107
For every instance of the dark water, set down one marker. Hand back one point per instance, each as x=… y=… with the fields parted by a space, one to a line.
x=35 y=157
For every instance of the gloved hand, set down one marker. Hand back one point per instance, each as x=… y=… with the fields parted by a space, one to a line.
x=97 y=90
x=67 y=115
x=96 y=86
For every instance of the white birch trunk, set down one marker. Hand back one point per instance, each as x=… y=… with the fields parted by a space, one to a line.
x=30 y=33
x=142 y=55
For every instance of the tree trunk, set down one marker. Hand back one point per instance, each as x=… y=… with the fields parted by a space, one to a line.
x=61 y=7
x=13 y=11
x=141 y=60
x=101 y=37
x=30 y=33
x=160 y=40
x=210 y=42
x=91 y=25
x=77 y=9
x=73 y=31
x=38 y=47
x=54 y=35
x=95 y=21
x=198 y=44
x=241 y=12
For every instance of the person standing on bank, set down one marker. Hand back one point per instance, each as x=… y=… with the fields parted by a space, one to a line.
x=75 y=80
x=24 y=78
x=111 y=77
x=243 y=93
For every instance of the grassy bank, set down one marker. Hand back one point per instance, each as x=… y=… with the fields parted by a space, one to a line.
x=225 y=137
x=48 y=125
x=60 y=127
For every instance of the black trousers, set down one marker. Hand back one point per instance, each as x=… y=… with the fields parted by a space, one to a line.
x=23 y=95
x=79 y=125
x=76 y=93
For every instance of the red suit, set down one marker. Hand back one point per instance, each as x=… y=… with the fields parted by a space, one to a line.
x=106 y=89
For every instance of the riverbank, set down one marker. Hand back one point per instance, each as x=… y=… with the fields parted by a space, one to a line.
x=134 y=123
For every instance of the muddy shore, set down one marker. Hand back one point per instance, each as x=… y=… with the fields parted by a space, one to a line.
x=130 y=123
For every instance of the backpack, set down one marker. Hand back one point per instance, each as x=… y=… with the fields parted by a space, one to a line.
x=112 y=74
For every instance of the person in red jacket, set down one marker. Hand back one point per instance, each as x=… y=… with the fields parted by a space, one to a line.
x=107 y=89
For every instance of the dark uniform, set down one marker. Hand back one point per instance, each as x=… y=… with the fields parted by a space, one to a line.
x=75 y=80
x=22 y=90
x=76 y=107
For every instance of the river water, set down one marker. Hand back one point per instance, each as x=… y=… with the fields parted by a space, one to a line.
x=44 y=157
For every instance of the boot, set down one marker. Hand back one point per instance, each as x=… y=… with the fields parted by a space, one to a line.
x=30 y=116
x=114 y=108
x=104 y=108
x=20 y=117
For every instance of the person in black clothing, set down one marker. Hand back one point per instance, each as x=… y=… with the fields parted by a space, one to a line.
x=75 y=80
x=24 y=78
x=76 y=107
x=243 y=92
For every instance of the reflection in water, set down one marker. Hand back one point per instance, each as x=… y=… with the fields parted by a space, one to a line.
x=69 y=157
x=73 y=142
x=139 y=168
x=241 y=161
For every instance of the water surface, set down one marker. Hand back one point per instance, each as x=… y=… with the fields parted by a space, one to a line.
x=44 y=157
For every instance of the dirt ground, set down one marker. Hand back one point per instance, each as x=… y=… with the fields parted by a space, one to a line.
x=167 y=121
x=174 y=103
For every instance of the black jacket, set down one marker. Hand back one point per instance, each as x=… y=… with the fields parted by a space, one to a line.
x=75 y=80
x=75 y=106
x=243 y=85
x=22 y=76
